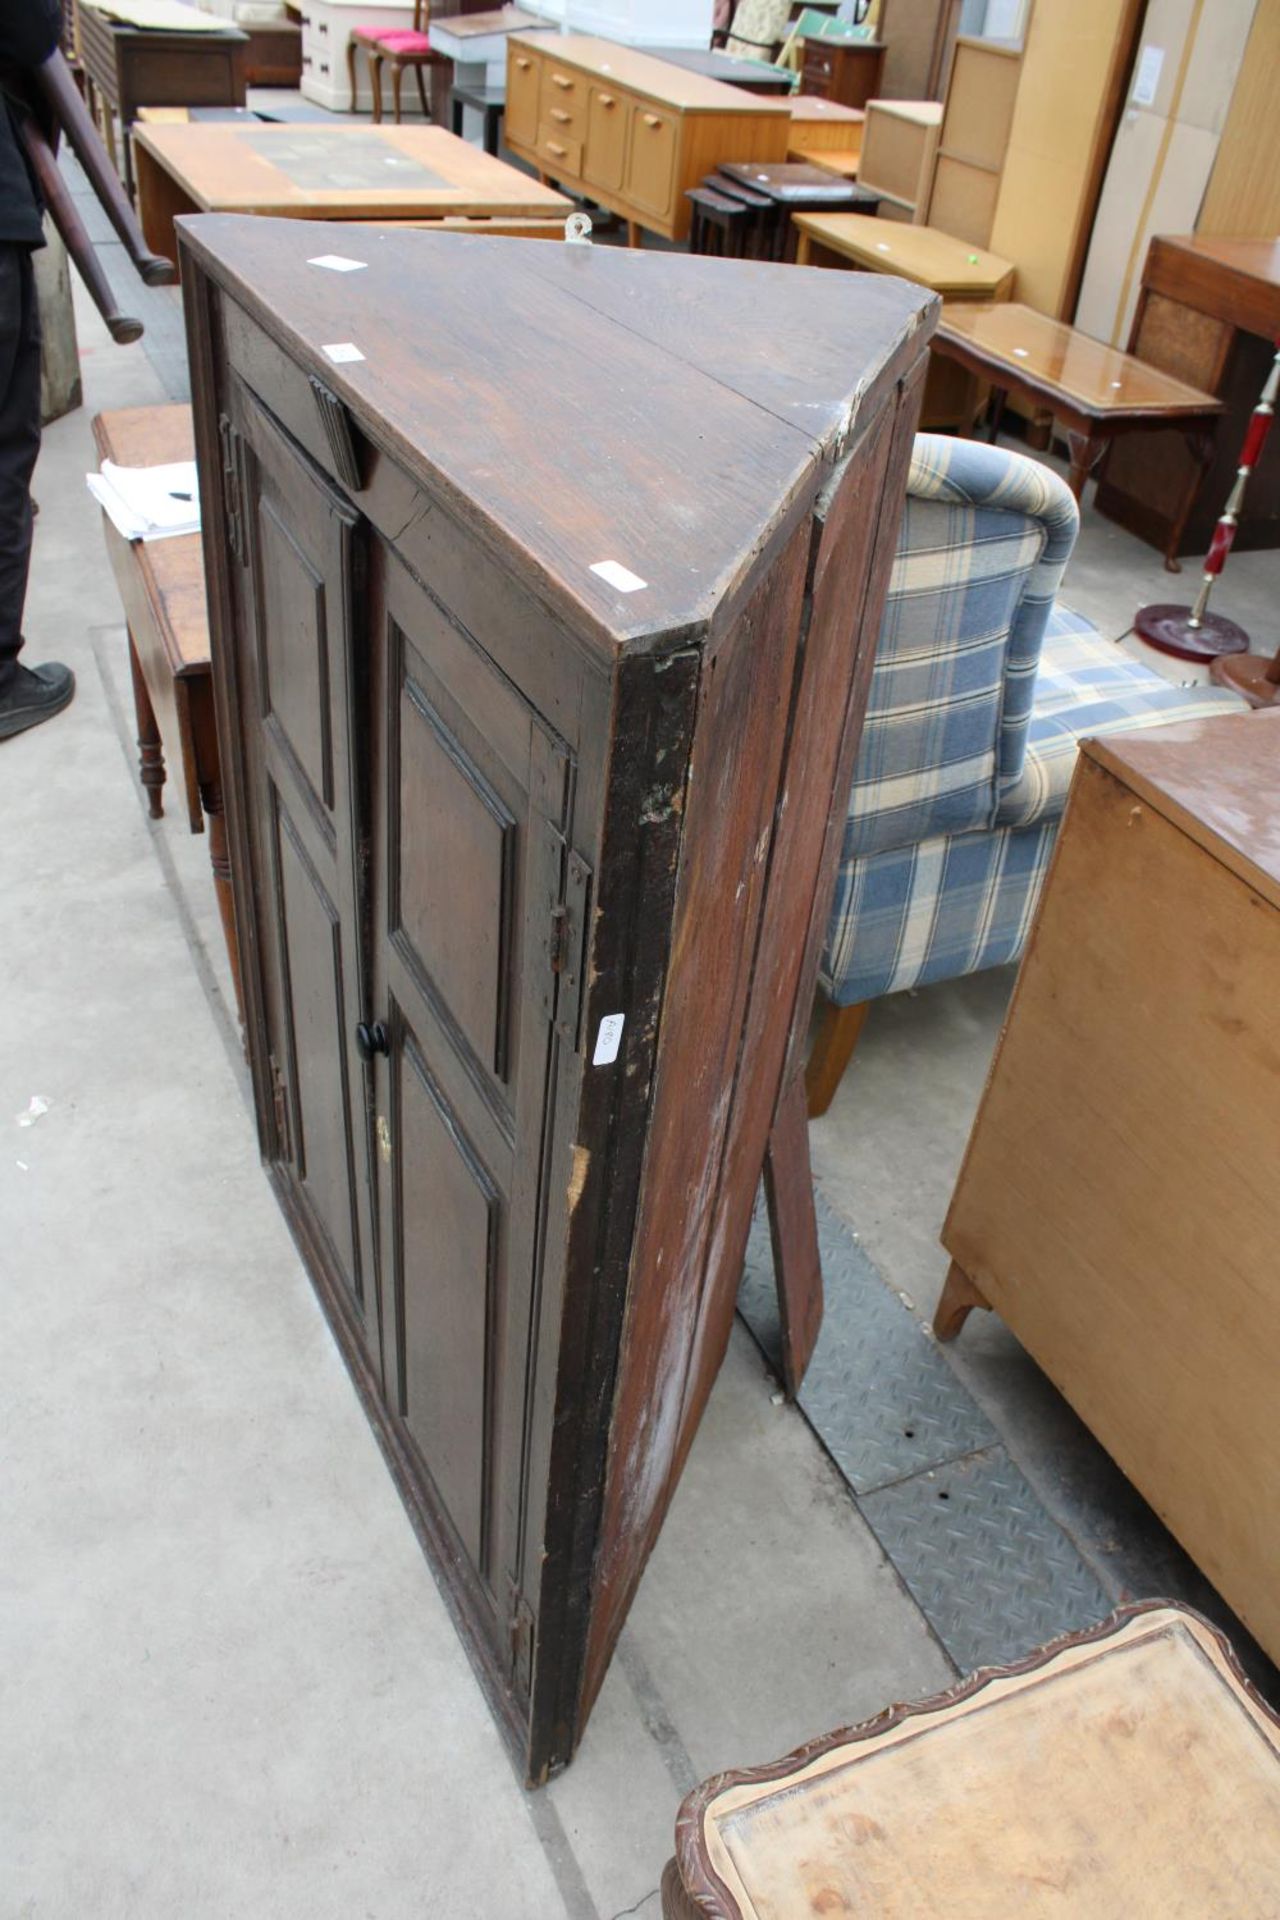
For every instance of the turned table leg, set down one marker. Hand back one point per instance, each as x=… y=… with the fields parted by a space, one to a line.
x=1086 y=450
x=958 y=1299
x=150 y=749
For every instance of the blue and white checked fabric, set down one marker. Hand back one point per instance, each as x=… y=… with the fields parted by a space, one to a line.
x=982 y=690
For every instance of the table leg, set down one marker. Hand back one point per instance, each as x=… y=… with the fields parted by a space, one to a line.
x=492 y=122
x=352 y=44
x=803 y=248
x=150 y=749
x=1201 y=442
x=635 y=234
x=1086 y=450
x=220 y=861
x=793 y=1230
x=457 y=118
x=998 y=397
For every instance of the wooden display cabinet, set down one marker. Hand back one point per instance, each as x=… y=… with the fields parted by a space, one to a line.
x=629 y=131
x=542 y=636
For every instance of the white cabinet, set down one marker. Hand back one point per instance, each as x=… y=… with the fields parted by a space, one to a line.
x=326 y=29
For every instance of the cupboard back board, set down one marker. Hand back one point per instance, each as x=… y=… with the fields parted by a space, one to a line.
x=542 y=616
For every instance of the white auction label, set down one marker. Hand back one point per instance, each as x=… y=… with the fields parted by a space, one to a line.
x=608 y=1040
x=616 y=575
x=337 y=263
x=343 y=350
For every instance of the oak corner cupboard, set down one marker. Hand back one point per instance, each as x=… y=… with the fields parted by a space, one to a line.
x=543 y=597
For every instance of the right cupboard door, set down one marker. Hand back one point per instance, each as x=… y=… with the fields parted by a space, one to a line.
x=477 y=908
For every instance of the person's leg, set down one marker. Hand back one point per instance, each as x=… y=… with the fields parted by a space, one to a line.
x=26 y=697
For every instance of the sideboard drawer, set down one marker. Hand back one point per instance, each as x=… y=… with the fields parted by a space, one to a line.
x=562 y=157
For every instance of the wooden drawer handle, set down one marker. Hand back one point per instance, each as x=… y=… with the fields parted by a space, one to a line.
x=652 y=120
x=524 y=65
x=558 y=80
x=559 y=152
x=606 y=100
x=558 y=113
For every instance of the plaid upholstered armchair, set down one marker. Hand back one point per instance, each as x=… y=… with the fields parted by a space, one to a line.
x=983 y=685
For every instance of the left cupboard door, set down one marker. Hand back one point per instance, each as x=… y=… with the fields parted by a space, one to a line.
x=301 y=548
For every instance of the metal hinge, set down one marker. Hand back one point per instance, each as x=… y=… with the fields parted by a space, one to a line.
x=280 y=1108
x=233 y=489
x=568 y=947
x=522 y=1647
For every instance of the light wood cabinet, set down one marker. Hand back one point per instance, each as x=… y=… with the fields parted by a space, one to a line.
x=631 y=131
x=899 y=140
x=1116 y=1205
x=542 y=638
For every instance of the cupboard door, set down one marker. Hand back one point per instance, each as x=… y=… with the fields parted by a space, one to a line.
x=524 y=76
x=651 y=177
x=302 y=548
x=605 y=156
x=479 y=918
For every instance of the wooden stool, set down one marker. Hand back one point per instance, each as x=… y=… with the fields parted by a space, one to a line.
x=720 y=224
x=1128 y=1771
x=161 y=584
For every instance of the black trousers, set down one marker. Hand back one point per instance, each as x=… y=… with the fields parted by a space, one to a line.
x=19 y=442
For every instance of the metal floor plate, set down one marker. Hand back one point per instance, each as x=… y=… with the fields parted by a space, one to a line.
x=878 y=1392
x=991 y=1570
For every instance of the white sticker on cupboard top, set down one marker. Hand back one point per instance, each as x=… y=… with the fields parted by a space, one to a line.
x=616 y=575
x=342 y=351
x=608 y=1040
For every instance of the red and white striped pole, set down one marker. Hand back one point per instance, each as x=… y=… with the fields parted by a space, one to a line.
x=1192 y=632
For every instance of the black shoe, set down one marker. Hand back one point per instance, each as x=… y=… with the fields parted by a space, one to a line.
x=35 y=695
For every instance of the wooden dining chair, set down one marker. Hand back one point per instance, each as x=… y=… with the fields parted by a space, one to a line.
x=402 y=47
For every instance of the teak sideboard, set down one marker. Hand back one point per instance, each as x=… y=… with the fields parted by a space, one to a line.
x=542 y=634
x=630 y=131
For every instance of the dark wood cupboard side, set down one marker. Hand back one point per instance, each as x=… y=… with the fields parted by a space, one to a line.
x=749 y=927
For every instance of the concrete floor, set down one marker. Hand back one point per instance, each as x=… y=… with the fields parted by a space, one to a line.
x=228 y=1685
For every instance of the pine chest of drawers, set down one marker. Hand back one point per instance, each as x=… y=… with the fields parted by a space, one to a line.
x=629 y=131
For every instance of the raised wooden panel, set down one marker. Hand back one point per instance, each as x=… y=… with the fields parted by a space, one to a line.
x=964 y=200
x=651 y=174
x=524 y=78
x=322 y=1149
x=454 y=875
x=447 y=1228
x=294 y=661
x=604 y=157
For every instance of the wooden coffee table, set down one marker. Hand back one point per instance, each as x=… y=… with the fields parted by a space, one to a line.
x=1129 y=1771
x=343 y=172
x=1094 y=392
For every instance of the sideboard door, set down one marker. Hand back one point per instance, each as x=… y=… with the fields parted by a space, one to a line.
x=479 y=916
x=301 y=550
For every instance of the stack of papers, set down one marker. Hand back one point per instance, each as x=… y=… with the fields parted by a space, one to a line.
x=149 y=503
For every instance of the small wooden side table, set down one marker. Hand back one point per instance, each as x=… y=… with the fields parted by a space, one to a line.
x=161 y=586
x=1094 y=392
x=128 y=67
x=848 y=74
x=1128 y=1771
